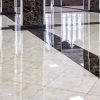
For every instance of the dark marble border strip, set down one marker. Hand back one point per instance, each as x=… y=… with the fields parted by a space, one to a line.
x=84 y=58
x=28 y=27
x=6 y=28
x=43 y=26
x=91 y=23
x=3 y=13
x=33 y=27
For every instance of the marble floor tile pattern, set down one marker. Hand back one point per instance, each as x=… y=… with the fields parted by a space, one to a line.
x=31 y=69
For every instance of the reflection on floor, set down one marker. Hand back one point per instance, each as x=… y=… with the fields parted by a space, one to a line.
x=58 y=63
x=79 y=55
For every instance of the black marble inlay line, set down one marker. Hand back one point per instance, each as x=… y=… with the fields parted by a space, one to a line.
x=24 y=27
x=79 y=55
x=91 y=23
x=4 y=13
x=43 y=26
x=6 y=28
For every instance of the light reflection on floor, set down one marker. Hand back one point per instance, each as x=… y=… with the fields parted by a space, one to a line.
x=31 y=68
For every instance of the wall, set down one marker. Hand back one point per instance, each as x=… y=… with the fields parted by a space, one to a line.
x=72 y=2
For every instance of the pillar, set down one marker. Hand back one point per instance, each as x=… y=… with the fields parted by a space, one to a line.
x=7 y=6
x=86 y=4
x=57 y=2
x=48 y=2
x=91 y=5
x=32 y=12
x=94 y=5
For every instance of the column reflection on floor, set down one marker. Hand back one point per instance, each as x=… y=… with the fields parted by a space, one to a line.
x=18 y=58
x=73 y=43
x=0 y=6
x=36 y=64
x=91 y=61
x=76 y=35
x=1 y=51
x=71 y=35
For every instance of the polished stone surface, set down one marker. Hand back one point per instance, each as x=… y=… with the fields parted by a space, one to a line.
x=33 y=12
x=49 y=64
x=7 y=6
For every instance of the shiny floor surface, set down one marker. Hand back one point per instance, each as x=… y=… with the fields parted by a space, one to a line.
x=60 y=62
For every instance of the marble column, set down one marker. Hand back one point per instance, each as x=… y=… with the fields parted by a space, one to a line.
x=91 y=5
x=32 y=12
x=48 y=2
x=86 y=4
x=57 y=2
x=7 y=6
x=94 y=5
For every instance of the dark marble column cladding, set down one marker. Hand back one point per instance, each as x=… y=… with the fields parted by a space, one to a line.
x=94 y=5
x=86 y=4
x=57 y=2
x=48 y=2
x=7 y=6
x=32 y=12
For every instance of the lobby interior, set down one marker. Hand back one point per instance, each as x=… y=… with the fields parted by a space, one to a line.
x=49 y=50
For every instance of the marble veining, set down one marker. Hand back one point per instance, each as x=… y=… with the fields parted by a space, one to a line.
x=8 y=6
x=32 y=12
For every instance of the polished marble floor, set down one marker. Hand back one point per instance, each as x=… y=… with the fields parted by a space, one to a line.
x=60 y=62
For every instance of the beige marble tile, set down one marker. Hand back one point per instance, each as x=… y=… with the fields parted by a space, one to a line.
x=12 y=71
x=22 y=75
x=95 y=89
x=10 y=90
x=89 y=34
x=6 y=21
x=30 y=91
x=75 y=79
x=54 y=66
x=92 y=97
x=56 y=94
x=31 y=76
